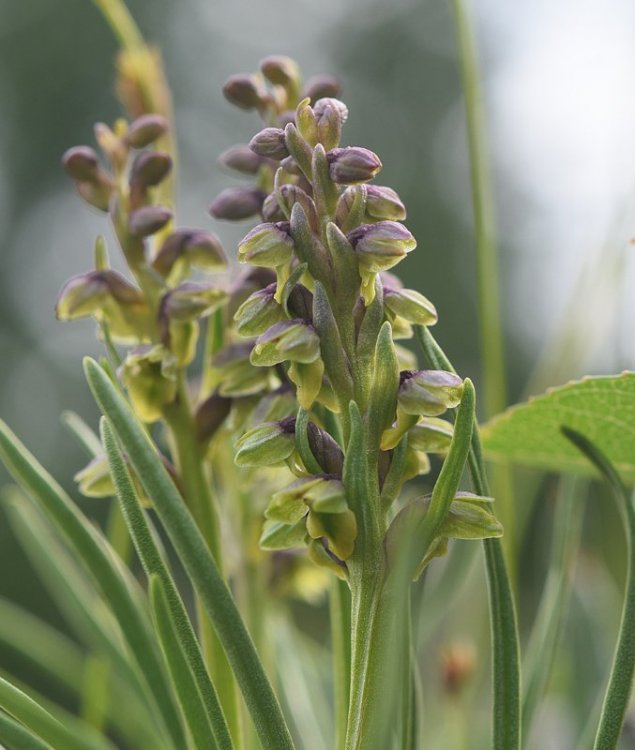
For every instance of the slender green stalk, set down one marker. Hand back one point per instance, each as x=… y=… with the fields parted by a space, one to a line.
x=197 y=561
x=79 y=736
x=503 y=624
x=154 y=565
x=547 y=628
x=340 y=615
x=122 y=23
x=491 y=333
x=91 y=547
x=18 y=737
x=620 y=684
x=198 y=496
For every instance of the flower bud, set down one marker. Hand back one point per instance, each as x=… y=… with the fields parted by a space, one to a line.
x=81 y=163
x=258 y=312
x=194 y=247
x=431 y=435
x=289 y=195
x=326 y=450
x=237 y=203
x=151 y=382
x=267 y=444
x=352 y=164
x=300 y=302
x=112 y=146
x=320 y=87
x=382 y=245
x=271 y=210
x=146 y=130
x=331 y=114
x=240 y=158
x=383 y=203
x=411 y=306
x=428 y=392
x=150 y=168
x=270 y=143
x=291 y=340
x=268 y=245
x=148 y=220
x=106 y=295
x=281 y=71
x=244 y=91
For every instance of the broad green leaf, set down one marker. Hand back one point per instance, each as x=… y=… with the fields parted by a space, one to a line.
x=600 y=408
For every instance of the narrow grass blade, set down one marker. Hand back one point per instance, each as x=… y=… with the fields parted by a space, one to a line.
x=620 y=684
x=197 y=561
x=183 y=679
x=93 y=550
x=153 y=563
x=70 y=736
x=82 y=433
x=18 y=737
x=503 y=622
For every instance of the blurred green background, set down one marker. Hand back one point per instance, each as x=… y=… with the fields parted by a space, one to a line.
x=561 y=116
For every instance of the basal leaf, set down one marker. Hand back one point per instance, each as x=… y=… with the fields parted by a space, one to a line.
x=601 y=408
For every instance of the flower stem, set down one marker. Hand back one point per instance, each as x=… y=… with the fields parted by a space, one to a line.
x=122 y=23
x=340 y=613
x=198 y=497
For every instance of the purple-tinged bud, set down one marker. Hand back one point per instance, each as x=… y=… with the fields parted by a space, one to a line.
x=428 y=393
x=383 y=203
x=237 y=203
x=288 y=341
x=382 y=245
x=269 y=245
x=244 y=91
x=258 y=312
x=331 y=114
x=411 y=306
x=81 y=163
x=240 y=158
x=281 y=71
x=150 y=168
x=270 y=143
x=148 y=220
x=290 y=194
x=198 y=248
x=210 y=416
x=352 y=164
x=146 y=130
x=322 y=86
x=291 y=166
x=300 y=302
x=271 y=210
x=326 y=450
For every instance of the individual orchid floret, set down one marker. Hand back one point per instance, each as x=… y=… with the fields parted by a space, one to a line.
x=429 y=393
x=259 y=312
x=269 y=245
x=409 y=305
x=148 y=220
x=288 y=341
x=241 y=159
x=245 y=92
x=379 y=247
x=237 y=377
x=150 y=378
x=145 y=130
x=189 y=248
x=267 y=444
x=352 y=164
x=93 y=183
x=270 y=143
x=237 y=203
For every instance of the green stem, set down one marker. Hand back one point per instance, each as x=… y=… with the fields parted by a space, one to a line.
x=504 y=629
x=486 y=256
x=618 y=691
x=122 y=23
x=340 y=613
x=199 y=499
